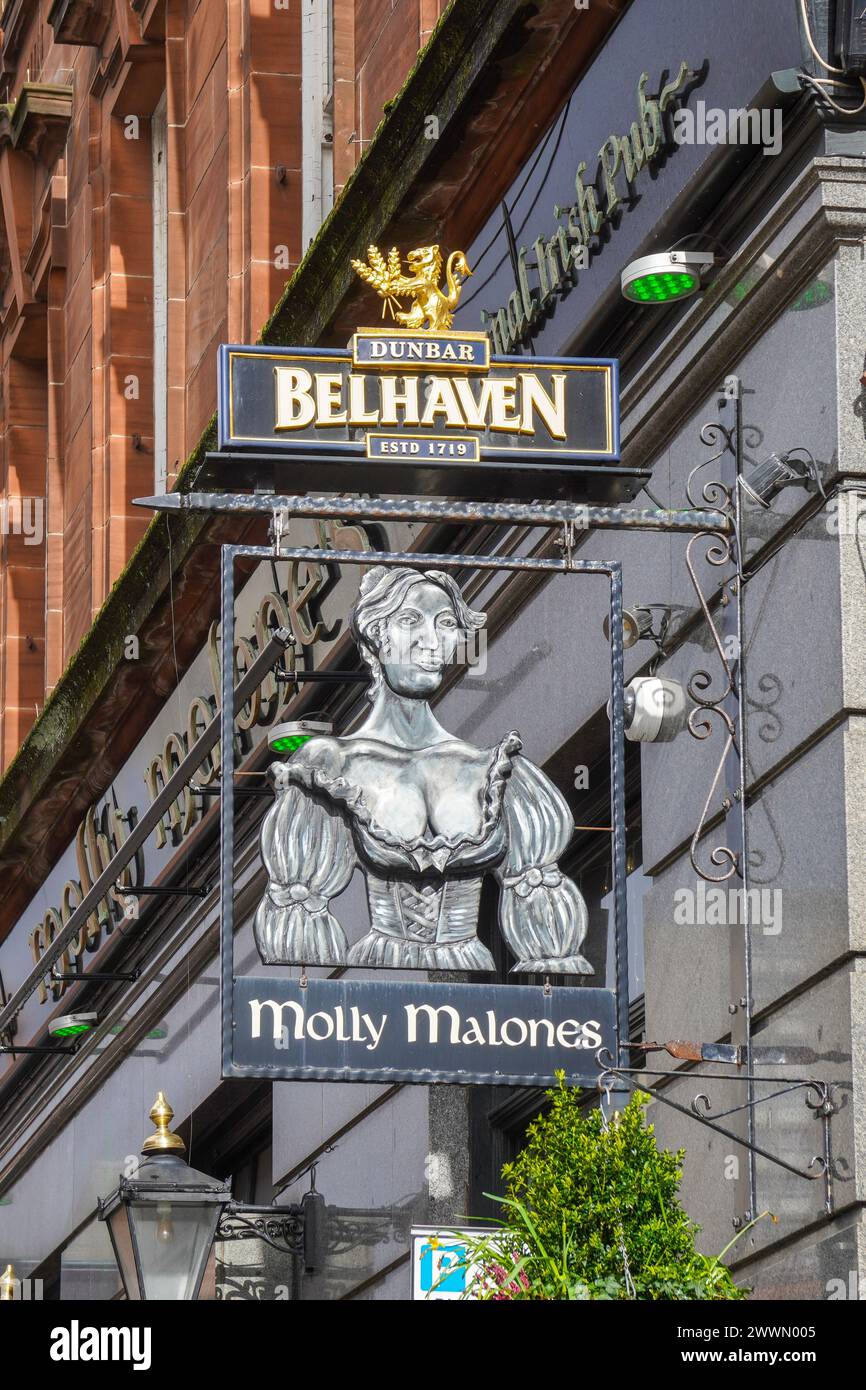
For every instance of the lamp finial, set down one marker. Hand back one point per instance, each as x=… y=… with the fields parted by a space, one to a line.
x=162 y=1141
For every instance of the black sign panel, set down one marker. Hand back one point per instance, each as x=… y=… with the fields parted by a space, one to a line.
x=303 y=400
x=358 y=1030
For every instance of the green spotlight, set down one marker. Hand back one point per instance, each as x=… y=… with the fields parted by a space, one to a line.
x=665 y=277
x=288 y=738
x=71 y=1025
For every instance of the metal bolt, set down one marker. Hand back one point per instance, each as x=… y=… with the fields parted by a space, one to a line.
x=743 y=1002
x=732 y=1008
x=727 y=803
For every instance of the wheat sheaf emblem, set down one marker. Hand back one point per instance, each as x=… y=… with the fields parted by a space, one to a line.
x=432 y=308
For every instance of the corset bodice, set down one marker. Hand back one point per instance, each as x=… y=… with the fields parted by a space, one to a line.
x=427 y=911
x=423 y=885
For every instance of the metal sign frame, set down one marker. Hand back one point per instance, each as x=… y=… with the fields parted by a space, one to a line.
x=567 y=564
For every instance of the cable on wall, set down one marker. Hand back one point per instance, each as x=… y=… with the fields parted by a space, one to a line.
x=821 y=82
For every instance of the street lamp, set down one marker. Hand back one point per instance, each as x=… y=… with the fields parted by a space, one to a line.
x=162 y=1221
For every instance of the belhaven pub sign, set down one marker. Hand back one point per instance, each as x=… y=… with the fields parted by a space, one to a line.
x=419 y=407
x=401 y=804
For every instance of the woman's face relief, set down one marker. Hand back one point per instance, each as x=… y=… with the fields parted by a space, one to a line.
x=418 y=641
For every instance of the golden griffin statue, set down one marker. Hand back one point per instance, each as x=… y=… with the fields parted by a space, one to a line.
x=432 y=308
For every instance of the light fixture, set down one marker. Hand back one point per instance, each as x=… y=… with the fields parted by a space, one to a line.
x=637 y=624
x=288 y=738
x=665 y=277
x=654 y=709
x=163 y=1220
x=70 y=1025
x=778 y=472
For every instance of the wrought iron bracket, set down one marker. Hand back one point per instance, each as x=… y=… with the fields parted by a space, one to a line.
x=297 y=1229
x=819 y=1097
x=282 y=1228
x=553 y=514
x=725 y=707
x=79 y=977
x=158 y=892
x=326 y=677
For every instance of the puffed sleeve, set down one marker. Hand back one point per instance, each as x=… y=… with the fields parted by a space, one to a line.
x=541 y=912
x=309 y=857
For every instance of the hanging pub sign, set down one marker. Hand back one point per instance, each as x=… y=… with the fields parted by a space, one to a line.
x=397 y=804
x=419 y=817
x=419 y=407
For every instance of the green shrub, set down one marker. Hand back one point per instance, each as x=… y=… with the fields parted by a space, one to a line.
x=594 y=1210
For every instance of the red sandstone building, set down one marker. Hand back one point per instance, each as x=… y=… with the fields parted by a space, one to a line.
x=163 y=164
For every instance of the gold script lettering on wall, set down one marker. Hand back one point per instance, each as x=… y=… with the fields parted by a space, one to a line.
x=99 y=837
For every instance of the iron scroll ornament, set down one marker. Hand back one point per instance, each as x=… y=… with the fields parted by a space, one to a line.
x=422 y=814
x=820 y=1096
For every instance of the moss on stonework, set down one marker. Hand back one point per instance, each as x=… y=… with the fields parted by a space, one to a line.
x=127 y=606
x=438 y=82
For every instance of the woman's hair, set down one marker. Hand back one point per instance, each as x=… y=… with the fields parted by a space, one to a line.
x=382 y=594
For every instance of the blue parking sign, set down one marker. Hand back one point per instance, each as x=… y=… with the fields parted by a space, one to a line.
x=443 y=1267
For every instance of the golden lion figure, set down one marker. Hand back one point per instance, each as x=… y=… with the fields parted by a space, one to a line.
x=432 y=309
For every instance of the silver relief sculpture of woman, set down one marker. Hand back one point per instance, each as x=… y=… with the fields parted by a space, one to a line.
x=423 y=814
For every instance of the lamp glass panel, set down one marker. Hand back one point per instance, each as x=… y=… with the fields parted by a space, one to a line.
x=174 y=1241
x=121 y=1239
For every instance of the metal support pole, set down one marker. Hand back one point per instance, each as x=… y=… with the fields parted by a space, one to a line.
x=584 y=517
x=617 y=807
x=737 y=836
